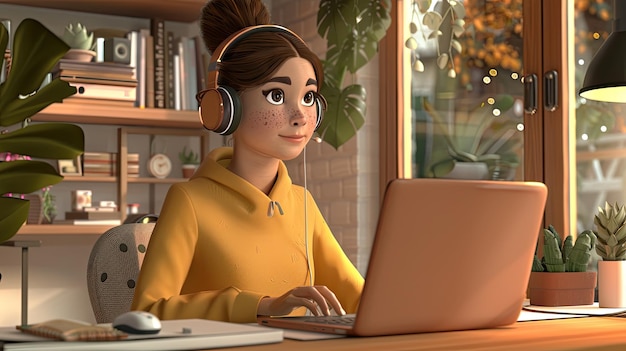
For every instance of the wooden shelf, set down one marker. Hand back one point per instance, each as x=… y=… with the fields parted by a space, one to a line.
x=170 y=10
x=115 y=115
x=138 y=180
x=56 y=229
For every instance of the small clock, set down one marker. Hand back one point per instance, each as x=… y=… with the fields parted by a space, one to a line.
x=159 y=165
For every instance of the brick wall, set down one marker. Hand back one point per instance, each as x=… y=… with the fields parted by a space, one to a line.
x=344 y=182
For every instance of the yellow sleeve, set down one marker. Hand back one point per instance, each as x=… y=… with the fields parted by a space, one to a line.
x=166 y=264
x=333 y=268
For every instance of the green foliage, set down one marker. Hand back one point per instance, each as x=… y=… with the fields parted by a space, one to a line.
x=76 y=36
x=35 y=52
x=565 y=256
x=48 y=204
x=611 y=231
x=481 y=137
x=188 y=157
x=352 y=29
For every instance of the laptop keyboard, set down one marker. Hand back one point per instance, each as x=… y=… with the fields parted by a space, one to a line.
x=337 y=320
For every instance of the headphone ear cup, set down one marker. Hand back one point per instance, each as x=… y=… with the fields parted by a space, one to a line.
x=232 y=110
x=220 y=110
x=319 y=107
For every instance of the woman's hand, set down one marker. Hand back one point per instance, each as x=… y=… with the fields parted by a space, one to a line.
x=318 y=299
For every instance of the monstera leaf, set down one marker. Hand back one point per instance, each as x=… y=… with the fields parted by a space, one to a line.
x=352 y=29
x=35 y=52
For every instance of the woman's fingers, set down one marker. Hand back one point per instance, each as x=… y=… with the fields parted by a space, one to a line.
x=318 y=299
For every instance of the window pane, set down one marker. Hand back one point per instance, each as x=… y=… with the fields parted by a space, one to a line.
x=600 y=126
x=463 y=68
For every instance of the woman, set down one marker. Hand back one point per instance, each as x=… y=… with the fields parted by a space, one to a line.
x=238 y=239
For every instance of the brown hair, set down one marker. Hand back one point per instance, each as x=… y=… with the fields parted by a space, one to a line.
x=252 y=60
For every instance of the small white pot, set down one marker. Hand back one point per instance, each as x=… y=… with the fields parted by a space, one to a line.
x=612 y=284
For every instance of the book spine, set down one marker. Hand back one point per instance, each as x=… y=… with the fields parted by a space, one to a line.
x=149 y=68
x=158 y=33
x=184 y=84
x=201 y=69
x=192 y=68
x=169 y=71
x=102 y=91
x=177 y=84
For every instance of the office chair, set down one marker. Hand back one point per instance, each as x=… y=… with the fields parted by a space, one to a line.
x=113 y=268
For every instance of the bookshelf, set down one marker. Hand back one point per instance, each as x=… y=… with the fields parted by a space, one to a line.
x=130 y=120
x=172 y=10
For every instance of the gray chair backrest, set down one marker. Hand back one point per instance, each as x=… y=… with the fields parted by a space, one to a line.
x=113 y=268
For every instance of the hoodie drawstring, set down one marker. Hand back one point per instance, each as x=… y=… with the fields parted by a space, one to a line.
x=270 y=209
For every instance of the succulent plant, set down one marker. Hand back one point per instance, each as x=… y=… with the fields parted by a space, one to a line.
x=567 y=256
x=77 y=37
x=611 y=231
x=188 y=157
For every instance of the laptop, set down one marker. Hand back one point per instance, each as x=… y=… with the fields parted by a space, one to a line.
x=447 y=255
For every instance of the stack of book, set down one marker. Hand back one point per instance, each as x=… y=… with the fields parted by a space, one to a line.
x=93 y=217
x=104 y=164
x=98 y=82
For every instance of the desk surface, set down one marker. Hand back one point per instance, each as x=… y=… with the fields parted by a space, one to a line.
x=594 y=333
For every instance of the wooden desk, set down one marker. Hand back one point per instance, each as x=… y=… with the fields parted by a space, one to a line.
x=596 y=333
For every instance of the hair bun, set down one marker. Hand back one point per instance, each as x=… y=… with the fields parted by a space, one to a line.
x=221 y=18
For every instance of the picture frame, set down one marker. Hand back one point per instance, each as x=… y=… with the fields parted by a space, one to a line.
x=70 y=167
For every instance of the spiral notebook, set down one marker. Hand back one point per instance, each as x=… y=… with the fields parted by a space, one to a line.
x=447 y=255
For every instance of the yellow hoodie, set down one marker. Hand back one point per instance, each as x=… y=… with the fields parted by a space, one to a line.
x=221 y=244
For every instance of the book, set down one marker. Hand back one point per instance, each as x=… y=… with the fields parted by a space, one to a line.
x=90 y=221
x=100 y=209
x=169 y=71
x=102 y=102
x=93 y=215
x=157 y=30
x=94 y=67
x=68 y=330
x=99 y=80
x=102 y=91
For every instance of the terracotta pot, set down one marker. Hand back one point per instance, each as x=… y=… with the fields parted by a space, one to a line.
x=189 y=170
x=611 y=280
x=561 y=288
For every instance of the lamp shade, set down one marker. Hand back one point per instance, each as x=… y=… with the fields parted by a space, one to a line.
x=605 y=79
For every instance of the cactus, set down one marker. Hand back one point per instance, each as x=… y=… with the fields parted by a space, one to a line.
x=77 y=37
x=567 y=256
x=611 y=232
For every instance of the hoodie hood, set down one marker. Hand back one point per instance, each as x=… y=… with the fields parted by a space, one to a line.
x=214 y=168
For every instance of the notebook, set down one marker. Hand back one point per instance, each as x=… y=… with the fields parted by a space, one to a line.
x=447 y=255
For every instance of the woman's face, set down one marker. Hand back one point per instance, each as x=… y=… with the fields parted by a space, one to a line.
x=278 y=116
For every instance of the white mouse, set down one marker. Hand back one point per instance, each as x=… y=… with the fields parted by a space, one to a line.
x=137 y=322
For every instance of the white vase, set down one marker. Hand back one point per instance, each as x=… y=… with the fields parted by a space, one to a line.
x=612 y=284
x=468 y=170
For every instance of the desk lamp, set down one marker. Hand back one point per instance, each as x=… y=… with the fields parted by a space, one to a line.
x=605 y=79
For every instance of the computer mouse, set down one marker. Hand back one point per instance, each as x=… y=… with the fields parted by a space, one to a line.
x=137 y=322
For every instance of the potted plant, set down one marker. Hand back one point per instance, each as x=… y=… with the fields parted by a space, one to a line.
x=352 y=30
x=561 y=277
x=80 y=41
x=35 y=52
x=189 y=160
x=611 y=247
x=48 y=205
x=477 y=139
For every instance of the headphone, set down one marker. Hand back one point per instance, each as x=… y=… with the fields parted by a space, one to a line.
x=219 y=106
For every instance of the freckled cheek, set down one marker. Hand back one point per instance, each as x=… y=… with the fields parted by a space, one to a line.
x=271 y=119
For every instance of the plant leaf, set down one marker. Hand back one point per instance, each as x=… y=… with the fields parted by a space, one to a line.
x=345 y=114
x=4 y=41
x=375 y=18
x=334 y=20
x=26 y=176
x=13 y=214
x=35 y=52
x=432 y=20
x=45 y=140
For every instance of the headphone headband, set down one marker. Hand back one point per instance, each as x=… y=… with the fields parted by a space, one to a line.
x=219 y=107
x=216 y=57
